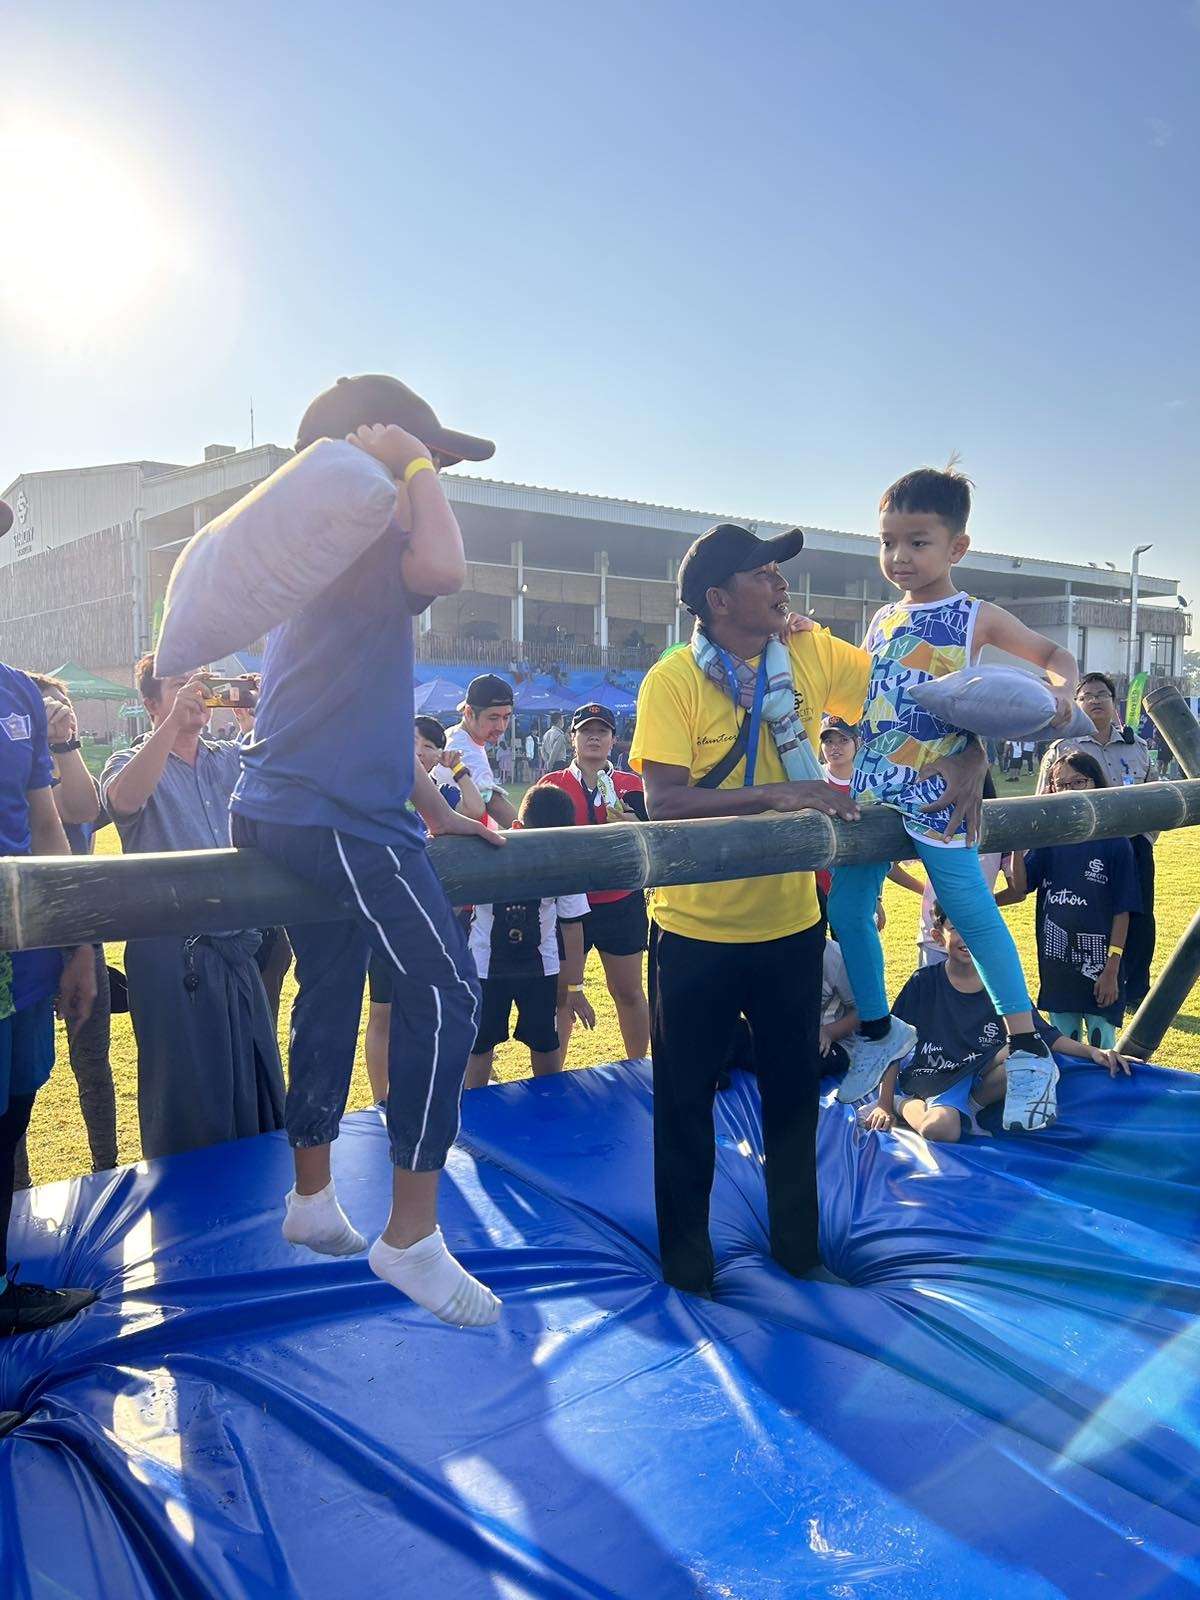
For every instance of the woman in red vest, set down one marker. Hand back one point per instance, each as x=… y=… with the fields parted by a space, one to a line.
x=616 y=924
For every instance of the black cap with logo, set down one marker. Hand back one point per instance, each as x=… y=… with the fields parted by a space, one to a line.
x=592 y=712
x=358 y=402
x=718 y=554
x=486 y=691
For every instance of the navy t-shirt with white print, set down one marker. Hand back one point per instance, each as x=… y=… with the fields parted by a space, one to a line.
x=25 y=764
x=957 y=1034
x=333 y=743
x=1084 y=886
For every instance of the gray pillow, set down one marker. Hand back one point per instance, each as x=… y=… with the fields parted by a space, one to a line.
x=264 y=559
x=999 y=703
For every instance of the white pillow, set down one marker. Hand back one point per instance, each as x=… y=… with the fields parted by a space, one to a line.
x=999 y=703
x=264 y=559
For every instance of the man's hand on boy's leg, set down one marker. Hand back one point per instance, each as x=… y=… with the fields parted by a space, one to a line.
x=963 y=774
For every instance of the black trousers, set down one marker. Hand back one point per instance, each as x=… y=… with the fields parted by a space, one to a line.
x=1143 y=932
x=698 y=990
x=13 y=1123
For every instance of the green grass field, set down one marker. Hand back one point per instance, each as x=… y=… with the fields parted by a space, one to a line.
x=58 y=1149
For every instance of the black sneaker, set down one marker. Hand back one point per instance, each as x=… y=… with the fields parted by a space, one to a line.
x=26 y=1307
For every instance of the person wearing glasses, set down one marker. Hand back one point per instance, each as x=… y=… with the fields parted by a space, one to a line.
x=1088 y=895
x=1123 y=758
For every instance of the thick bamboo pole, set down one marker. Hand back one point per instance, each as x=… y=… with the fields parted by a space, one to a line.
x=75 y=900
x=1168 y=994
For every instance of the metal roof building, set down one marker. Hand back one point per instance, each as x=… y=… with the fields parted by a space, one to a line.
x=584 y=579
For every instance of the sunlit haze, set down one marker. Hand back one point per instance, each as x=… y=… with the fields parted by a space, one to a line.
x=757 y=260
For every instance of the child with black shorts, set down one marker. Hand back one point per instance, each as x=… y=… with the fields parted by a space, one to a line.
x=959 y=1063
x=515 y=945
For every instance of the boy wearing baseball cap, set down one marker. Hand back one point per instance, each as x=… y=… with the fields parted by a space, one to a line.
x=324 y=791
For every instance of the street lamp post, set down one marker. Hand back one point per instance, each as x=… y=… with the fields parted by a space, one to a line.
x=1130 y=654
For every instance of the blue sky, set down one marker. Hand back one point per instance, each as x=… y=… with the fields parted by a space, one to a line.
x=757 y=259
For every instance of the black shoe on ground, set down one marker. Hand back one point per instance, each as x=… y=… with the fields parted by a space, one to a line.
x=28 y=1307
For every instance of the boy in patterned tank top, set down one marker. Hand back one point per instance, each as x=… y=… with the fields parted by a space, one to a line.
x=932 y=630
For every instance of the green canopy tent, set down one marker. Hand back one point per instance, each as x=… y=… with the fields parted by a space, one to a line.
x=84 y=686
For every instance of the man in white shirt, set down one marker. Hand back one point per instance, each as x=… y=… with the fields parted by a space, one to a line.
x=486 y=714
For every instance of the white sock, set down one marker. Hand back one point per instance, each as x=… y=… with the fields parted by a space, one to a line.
x=427 y=1273
x=318 y=1221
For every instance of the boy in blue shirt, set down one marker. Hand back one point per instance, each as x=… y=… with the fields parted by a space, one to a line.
x=29 y=982
x=324 y=790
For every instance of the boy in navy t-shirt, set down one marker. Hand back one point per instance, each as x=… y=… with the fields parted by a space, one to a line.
x=324 y=790
x=960 y=1061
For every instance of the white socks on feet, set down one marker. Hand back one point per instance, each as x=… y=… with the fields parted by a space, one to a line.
x=318 y=1221
x=427 y=1273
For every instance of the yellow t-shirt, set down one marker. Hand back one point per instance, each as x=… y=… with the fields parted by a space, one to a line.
x=685 y=720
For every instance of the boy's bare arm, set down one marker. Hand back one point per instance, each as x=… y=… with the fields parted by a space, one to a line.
x=1001 y=629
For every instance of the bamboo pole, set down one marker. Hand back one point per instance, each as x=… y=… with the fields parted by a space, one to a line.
x=78 y=899
x=1168 y=994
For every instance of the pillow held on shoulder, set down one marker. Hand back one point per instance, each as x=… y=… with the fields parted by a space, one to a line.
x=269 y=555
x=997 y=702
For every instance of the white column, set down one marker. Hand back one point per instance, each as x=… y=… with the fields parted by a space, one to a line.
x=602 y=609
x=673 y=580
x=518 y=604
x=1071 y=622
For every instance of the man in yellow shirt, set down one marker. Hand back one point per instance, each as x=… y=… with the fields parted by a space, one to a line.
x=711 y=741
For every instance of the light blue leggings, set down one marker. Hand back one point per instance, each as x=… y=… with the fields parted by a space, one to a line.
x=963 y=892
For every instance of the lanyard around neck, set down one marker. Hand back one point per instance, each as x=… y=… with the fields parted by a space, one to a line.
x=760 y=694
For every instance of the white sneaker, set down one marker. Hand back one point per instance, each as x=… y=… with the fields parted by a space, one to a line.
x=1030 y=1102
x=870 y=1059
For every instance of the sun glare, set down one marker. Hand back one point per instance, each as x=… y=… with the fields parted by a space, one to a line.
x=88 y=245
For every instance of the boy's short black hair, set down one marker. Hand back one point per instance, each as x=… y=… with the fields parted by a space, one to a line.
x=430 y=728
x=941 y=493
x=1098 y=677
x=939 y=914
x=547 y=806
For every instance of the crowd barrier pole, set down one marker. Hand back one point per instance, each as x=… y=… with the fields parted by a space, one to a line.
x=66 y=900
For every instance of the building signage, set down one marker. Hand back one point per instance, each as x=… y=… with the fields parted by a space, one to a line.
x=23 y=536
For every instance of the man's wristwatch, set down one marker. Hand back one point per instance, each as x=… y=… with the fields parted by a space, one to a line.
x=65 y=748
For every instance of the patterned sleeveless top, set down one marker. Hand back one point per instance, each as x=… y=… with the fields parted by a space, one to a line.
x=910 y=644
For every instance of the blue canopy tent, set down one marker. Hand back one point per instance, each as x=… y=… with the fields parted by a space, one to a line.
x=1002 y=1399
x=438 y=698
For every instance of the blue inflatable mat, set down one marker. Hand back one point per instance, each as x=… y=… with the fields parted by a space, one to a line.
x=1002 y=1403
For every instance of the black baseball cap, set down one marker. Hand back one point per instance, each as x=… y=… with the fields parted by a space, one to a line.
x=356 y=402
x=836 y=725
x=486 y=691
x=593 y=713
x=718 y=554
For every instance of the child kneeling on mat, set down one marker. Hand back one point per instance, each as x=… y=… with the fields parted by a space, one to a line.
x=959 y=1063
x=515 y=945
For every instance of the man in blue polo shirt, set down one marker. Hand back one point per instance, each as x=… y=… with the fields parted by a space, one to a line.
x=29 y=982
x=325 y=790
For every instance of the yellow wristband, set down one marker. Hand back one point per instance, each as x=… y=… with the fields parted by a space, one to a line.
x=418 y=464
x=576 y=988
x=1116 y=949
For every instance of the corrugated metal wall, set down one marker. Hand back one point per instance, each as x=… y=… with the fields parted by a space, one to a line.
x=70 y=604
x=55 y=508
